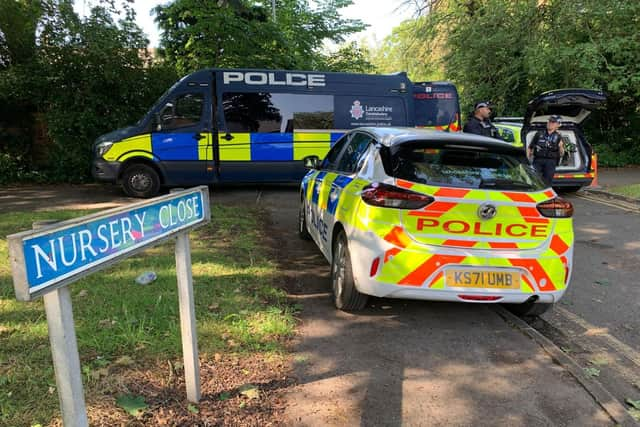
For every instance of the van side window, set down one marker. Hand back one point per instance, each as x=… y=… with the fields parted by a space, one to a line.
x=276 y=112
x=348 y=162
x=185 y=111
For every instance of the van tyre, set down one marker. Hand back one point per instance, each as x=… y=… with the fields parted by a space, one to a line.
x=529 y=308
x=140 y=181
x=345 y=295
x=302 y=223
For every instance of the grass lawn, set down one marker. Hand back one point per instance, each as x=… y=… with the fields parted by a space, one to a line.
x=124 y=327
x=631 y=190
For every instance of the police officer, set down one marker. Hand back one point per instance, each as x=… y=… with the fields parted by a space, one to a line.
x=479 y=123
x=546 y=149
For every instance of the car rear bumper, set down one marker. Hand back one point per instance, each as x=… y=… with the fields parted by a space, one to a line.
x=378 y=272
x=389 y=290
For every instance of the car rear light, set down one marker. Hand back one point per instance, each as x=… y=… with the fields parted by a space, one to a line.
x=374 y=267
x=556 y=208
x=389 y=196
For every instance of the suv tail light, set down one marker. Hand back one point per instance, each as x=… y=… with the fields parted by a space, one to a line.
x=389 y=196
x=556 y=208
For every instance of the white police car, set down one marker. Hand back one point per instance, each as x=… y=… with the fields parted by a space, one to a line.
x=410 y=213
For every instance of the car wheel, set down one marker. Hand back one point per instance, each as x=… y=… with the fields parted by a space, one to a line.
x=529 y=308
x=140 y=181
x=345 y=295
x=302 y=223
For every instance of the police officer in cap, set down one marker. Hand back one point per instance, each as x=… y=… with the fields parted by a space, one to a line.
x=479 y=123
x=546 y=149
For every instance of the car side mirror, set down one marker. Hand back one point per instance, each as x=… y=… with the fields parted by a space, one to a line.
x=311 y=162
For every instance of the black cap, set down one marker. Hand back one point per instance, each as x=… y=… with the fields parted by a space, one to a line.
x=555 y=118
x=482 y=104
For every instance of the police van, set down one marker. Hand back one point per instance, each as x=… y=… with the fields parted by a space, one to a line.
x=437 y=106
x=243 y=125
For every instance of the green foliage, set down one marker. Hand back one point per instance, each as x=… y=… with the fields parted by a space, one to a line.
x=84 y=77
x=414 y=47
x=133 y=405
x=18 y=22
x=239 y=33
x=350 y=58
x=510 y=51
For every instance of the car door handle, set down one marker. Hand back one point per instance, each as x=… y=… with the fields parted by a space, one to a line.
x=198 y=136
x=228 y=137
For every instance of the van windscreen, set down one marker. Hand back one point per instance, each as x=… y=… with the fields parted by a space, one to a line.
x=435 y=108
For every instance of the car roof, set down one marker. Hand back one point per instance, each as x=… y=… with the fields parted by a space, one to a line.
x=393 y=136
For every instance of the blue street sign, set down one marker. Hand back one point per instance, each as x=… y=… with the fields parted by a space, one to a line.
x=51 y=257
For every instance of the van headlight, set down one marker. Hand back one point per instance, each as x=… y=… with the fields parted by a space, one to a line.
x=103 y=148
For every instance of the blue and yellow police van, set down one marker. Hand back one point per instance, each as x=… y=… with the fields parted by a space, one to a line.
x=246 y=125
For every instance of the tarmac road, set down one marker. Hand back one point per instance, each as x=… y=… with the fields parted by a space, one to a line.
x=598 y=320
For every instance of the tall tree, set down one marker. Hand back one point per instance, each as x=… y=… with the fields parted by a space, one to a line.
x=81 y=76
x=350 y=57
x=241 y=33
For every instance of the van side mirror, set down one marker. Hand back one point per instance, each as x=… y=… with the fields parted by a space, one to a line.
x=157 y=123
x=311 y=162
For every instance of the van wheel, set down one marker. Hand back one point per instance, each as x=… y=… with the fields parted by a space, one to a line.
x=345 y=295
x=302 y=223
x=140 y=181
x=529 y=308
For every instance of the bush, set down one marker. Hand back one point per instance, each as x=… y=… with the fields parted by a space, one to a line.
x=86 y=77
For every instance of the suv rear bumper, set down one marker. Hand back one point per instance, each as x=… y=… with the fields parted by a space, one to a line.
x=572 y=180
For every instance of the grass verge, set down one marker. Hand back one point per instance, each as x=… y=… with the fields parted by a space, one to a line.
x=632 y=190
x=124 y=327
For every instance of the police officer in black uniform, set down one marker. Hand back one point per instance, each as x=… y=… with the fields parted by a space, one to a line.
x=546 y=149
x=479 y=123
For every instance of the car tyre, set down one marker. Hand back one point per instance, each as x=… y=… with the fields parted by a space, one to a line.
x=140 y=180
x=345 y=295
x=529 y=308
x=303 y=233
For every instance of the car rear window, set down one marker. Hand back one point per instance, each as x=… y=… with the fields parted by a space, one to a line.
x=460 y=166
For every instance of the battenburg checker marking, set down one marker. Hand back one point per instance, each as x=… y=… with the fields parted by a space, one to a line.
x=51 y=257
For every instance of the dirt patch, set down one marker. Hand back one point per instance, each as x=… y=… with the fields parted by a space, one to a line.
x=237 y=390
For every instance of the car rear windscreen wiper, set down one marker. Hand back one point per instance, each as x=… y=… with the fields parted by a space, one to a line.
x=505 y=184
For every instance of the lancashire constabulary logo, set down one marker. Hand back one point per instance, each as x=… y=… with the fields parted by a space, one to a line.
x=356 y=110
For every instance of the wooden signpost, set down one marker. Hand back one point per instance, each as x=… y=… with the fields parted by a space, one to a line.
x=46 y=259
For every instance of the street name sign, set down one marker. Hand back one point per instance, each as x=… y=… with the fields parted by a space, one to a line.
x=59 y=254
x=49 y=257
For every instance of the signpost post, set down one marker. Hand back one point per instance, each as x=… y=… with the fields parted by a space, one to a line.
x=48 y=258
